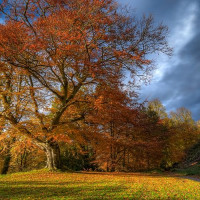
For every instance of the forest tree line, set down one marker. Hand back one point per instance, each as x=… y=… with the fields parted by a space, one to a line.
x=141 y=139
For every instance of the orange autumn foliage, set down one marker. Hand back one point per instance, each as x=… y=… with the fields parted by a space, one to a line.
x=55 y=55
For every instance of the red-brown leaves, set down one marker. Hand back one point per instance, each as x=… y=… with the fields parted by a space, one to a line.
x=68 y=62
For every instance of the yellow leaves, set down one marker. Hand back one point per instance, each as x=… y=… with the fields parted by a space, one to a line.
x=2 y=137
x=21 y=144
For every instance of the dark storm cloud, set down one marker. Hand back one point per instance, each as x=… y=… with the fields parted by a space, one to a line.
x=180 y=86
x=165 y=11
x=179 y=82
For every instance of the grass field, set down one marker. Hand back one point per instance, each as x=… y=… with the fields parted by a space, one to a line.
x=57 y=185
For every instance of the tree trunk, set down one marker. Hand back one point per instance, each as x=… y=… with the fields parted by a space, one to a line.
x=124 y=158
x=52 y=151
x=6 y=164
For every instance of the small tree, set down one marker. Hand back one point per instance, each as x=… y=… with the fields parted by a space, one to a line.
x=156 y=106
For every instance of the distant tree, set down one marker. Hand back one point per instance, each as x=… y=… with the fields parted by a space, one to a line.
x=182 y=135
x=59 y=52
x=182 y=115
x=185 y=125
x=198 y=124
x=156 y=106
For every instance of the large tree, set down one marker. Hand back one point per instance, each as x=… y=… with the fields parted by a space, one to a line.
x=55 y=53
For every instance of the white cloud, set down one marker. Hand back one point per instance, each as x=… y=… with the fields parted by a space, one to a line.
x=184 y=30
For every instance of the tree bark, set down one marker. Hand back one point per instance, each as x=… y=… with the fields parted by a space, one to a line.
x=52 y=151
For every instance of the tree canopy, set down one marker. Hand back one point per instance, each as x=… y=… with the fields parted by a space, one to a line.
x=57 y=60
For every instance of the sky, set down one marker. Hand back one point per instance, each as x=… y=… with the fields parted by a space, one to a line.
x=176 y=81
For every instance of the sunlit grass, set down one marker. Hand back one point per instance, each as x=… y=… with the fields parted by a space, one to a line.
x=57 y=185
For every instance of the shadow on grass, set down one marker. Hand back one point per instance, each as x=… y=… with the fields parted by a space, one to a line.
x=40 y=190
x=75 y=190
x=66 y=190
x=71 y=193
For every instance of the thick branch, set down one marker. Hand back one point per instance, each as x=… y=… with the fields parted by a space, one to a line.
x=66 y=104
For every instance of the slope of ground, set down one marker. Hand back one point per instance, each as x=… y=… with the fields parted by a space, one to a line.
x=191 y=163
x=193 y=169
x=46 y=185
x=193 y=155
